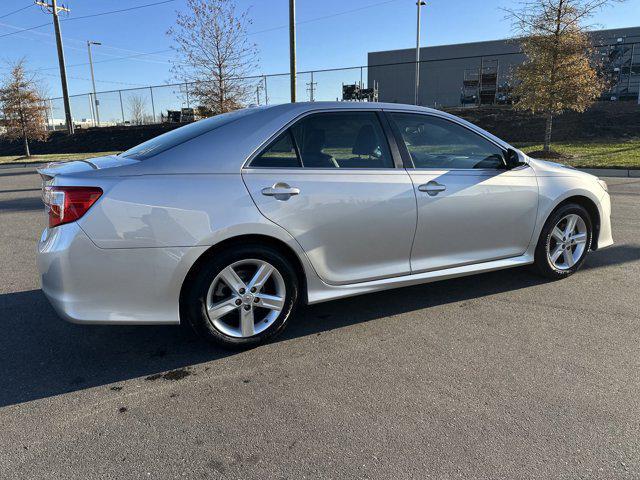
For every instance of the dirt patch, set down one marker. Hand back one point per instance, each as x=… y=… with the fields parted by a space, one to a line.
x=172 y=375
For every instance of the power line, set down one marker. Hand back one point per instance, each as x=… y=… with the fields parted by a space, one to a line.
x=99 y=81
x=127 y=50
x=25 y=29
x=324 y=17
x=115 y=59
x=56 y=75
x=16 y=11
x=164 y=60
x=118 y=11
x=89 y=16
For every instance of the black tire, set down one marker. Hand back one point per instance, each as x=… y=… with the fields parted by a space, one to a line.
x=193 y=305
x=542 y=264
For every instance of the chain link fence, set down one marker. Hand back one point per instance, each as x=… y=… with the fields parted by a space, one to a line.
x=155 y=104
x=441 y=85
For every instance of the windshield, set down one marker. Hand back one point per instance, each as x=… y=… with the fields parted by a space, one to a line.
x=183 y=134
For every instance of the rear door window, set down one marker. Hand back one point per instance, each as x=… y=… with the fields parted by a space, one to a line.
x=342 y=140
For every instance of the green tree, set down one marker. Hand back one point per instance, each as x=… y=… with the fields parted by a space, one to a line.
x=559 y=72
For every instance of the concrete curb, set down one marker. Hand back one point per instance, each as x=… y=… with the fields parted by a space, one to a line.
x=4 y=166
x=612 y=172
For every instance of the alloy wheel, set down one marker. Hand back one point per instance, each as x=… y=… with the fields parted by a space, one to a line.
x=568 y=242
x=245 y=298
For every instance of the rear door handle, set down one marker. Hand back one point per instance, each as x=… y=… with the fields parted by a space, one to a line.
x=281 y=191
x=432 y=188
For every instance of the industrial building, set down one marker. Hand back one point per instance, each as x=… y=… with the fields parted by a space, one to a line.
x=482 y=72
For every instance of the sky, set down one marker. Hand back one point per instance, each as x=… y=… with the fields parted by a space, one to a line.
x=330 y=34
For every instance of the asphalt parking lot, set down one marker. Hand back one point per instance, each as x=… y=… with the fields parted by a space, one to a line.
x=502 y=375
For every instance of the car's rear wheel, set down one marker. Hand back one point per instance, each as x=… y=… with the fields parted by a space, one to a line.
x=241 y=297
x=564 y=242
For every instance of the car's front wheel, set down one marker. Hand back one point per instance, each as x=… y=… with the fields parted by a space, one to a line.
x=241 y=297
x=564 y=242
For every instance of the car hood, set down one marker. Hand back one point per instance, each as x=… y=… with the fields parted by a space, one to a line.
x=546 y=168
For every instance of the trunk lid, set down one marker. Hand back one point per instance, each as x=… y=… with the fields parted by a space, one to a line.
x=54 y=169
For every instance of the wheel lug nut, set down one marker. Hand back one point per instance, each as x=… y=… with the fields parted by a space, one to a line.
x=238 y=302
x=241 y=291
x=247 y=307
x=253 y=289
x=256 y=300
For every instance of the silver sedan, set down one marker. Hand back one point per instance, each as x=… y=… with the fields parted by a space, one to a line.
x=228 y=223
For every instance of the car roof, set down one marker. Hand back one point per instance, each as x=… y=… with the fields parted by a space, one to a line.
x=302 y=107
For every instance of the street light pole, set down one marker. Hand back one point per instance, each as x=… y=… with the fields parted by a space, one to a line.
x=93 y=80
x=419 y=3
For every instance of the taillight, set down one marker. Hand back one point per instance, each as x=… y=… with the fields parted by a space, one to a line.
x=67 y=204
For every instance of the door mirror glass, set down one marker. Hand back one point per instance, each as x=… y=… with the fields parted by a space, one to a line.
x=512 y=159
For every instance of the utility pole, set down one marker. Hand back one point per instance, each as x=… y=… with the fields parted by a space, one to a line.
x=93 y=80
x=54 y=9
x=419 y=3
x=266 y=93
x=259 y=88
x=312 y=89
x=292 y=48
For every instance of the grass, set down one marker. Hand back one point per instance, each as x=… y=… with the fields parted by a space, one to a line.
x=614 y=154
x=51 y=157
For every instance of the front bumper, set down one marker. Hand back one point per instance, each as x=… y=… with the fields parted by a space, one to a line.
x=87 y=284
x=605 y=236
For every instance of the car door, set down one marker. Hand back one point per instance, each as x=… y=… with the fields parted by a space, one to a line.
x=471 y=208
x=331 y=181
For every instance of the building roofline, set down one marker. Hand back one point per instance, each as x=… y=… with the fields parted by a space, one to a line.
x=445 y=45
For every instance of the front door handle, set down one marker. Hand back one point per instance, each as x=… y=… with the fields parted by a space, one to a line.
x=281 y=191
x=432 y=188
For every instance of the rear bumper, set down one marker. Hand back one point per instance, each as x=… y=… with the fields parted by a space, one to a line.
x=87 y=284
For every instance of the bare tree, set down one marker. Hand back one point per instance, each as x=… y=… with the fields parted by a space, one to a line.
x=137 y=105
x=23 y=106
x=559 y=72
x=211 y=41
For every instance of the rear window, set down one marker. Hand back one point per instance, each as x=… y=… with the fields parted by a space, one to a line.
x=183 y=134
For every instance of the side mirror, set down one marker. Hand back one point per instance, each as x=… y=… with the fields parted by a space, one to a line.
x=512 y=159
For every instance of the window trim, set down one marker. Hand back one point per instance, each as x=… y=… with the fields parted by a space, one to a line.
x=296 y=147
x=395 y=152
x=406 y=155
x=275 y=140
